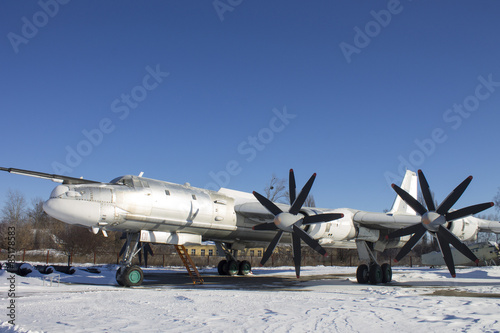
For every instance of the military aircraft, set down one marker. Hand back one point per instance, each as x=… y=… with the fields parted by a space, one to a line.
x=154 y=211
x=486 y=252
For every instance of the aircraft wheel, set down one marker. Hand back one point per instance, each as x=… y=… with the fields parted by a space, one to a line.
x=245 y=268
x=132 y=276
x=362 y=274
x=233 y=267
x=386 y=273
x=375 y=274
x=220 y=267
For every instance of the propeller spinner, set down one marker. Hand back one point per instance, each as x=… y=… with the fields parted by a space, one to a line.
x=291 y=221
x=434 y=221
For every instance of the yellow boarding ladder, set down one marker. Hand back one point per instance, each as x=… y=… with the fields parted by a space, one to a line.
x=190 y=266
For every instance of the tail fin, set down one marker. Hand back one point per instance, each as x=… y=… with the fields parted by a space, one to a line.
x=409 y=184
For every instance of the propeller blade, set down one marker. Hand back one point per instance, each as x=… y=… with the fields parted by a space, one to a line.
x=291 y=187
x=411 y=243
x=457 y=243
x=308 y=240
x=426 y=192
x=406 y=231
x=468 y=211
x=446 y=252
x=297 y=204
x=271 y=247
x=321 y=218
x=411 y=201
x=270 y=206
x=265 y=226
x=453 y=197
x=297 y=254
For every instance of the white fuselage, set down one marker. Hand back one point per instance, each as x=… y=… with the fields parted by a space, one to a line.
x=135 y=204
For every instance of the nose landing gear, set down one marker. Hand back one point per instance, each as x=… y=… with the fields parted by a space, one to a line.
x=129 y=275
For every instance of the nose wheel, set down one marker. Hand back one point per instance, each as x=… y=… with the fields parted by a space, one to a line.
x=129 y=276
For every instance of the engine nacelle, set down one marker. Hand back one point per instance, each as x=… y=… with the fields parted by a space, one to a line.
x=337 y=230
x=465 y=229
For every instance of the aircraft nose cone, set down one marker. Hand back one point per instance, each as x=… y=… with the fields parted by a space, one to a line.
x=55 y=208
x=73 y=211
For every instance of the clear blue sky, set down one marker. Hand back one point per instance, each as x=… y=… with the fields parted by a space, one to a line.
x=363 y=79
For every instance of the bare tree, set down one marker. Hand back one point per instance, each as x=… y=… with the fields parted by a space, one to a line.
x=14 y=214
x=14 y=210
x=276 y=190
x=43 y=225
x=496 y=199
x=75 y=239
x=310 y=201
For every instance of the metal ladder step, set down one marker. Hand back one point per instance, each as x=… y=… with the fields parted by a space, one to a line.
x=190 y=266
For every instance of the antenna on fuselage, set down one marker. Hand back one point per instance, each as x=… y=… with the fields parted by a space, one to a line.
x=141 y=173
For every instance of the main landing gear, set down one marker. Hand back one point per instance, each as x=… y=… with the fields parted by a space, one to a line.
x=230 y=266
x=129 y=275
x=372 y=273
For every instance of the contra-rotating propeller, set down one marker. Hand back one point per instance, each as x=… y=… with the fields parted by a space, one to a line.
x=434 y=220
x=291 y=221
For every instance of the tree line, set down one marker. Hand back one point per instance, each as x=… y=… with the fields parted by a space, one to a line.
x=35 y=230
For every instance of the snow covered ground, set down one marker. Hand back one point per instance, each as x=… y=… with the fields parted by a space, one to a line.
x=419 y=300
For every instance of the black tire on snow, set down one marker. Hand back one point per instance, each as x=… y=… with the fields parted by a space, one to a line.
x=132 y=276
x=362 y=274
x=375 y=274
x=220 y=267
x=386 y=273
x=245 y=268
x=233 y=267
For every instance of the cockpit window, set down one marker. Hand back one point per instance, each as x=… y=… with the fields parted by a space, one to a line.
x=127 y=181
x=116 y=180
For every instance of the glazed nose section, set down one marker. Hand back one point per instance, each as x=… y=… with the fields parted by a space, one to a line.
x=62 y=192
x=59 y=191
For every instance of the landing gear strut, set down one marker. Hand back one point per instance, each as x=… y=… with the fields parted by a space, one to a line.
x=129 y=275
x=372 y=273
x=231 y=266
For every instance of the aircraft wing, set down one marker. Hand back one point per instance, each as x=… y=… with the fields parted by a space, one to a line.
x=488 y=226
x=385 y=221
x=257 y=213
x=53 y=177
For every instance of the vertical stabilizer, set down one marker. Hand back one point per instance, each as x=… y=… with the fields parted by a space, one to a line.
x=409 y=184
